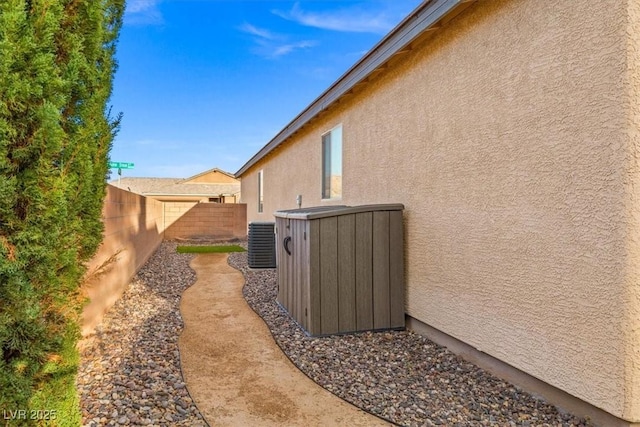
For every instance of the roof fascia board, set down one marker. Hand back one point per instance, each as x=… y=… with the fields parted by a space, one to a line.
x=422 y=19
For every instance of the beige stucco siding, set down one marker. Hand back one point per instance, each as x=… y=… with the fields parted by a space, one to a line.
x=632 y=324
x=511 y=137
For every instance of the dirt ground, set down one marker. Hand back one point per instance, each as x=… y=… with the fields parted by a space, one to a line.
x=234 y=370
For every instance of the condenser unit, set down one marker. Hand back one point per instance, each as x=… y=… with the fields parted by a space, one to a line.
x=262 y=246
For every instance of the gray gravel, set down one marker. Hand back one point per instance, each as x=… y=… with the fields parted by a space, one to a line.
x=130 y=369
x=398 y=375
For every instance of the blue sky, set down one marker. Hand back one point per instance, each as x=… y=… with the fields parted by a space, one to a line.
x=207 y=83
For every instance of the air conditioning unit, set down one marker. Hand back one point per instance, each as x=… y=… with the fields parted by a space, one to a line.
x=262 y=245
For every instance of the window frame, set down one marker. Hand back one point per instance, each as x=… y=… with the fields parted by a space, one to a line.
x=326 y=189
x=261 y=191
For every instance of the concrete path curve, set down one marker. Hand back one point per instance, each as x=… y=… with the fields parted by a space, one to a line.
x=234 y=370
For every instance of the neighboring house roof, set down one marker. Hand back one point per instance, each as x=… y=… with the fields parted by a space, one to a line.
x=179 y=186
x=181 y=189
x=230 y=175
x=144 y=185
x=426 y=18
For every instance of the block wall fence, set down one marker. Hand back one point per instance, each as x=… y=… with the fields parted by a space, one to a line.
x=188 y=220
x=134 y=227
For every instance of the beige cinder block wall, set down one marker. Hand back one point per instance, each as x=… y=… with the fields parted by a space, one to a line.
x=205 y=220
x=511 y=136
x=173 y=211
x=133 y=230
x=134 y=227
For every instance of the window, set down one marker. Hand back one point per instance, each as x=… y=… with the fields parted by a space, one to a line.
x=260 y=191
x=332 y=164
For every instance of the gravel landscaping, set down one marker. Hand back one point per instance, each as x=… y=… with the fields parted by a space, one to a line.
x=399 y=376
x=130 y=369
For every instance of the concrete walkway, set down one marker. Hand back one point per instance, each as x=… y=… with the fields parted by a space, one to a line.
x=235 y=372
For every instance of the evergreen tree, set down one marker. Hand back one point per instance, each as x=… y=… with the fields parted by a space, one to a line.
x=56 y=70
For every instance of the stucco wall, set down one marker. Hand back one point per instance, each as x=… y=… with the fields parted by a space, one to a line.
x=632 y=324
x=511 y=138
x=133 y=230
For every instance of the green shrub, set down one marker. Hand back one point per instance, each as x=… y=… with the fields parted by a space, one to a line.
x=56 y=70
